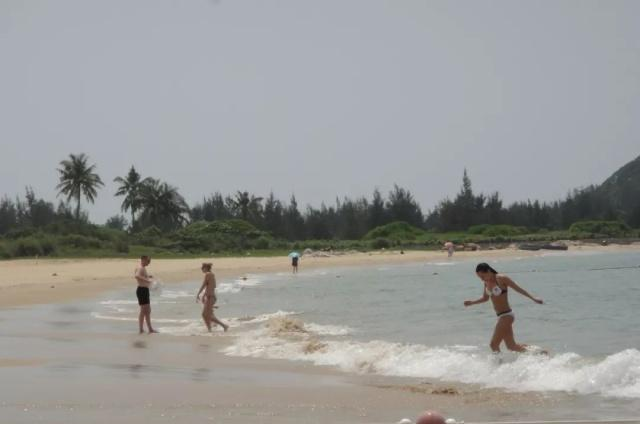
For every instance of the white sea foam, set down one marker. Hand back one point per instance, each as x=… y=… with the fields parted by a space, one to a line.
x=176 y=294
x=260 y=318
x=192 y=328
x=98 y=315
x=328 y=330
x=239 y=284
x=441 y=263
x=617 y=375
x=119 y=302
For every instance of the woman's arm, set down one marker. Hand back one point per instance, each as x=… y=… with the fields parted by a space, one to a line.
x=204 y=284
x=510 y=283
x=483 y=299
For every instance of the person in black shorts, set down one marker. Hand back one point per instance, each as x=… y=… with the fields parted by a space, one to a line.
x=142 y=293
x=294 y=263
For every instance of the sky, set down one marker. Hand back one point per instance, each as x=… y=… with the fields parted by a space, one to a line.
x=320 y=98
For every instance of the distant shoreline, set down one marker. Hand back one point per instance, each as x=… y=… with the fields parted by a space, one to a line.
x=41 y=281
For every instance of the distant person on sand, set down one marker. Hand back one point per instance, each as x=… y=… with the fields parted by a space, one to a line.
x=142 y=293
x=294 y=263
x=209 y=298
x=495 y=287
x=450 y=248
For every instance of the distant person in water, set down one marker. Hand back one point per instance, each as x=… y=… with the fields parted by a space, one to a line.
x=495 y=287
x=294 y=263
x=142 y=293
x=207 y=294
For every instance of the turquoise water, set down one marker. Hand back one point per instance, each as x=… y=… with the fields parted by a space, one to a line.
x=409 y=321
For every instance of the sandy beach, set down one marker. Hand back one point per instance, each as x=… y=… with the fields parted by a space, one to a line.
x=134 y=379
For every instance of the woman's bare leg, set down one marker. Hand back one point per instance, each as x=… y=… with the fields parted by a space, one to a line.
x=509 y=339
x=498 y=336
x=217 y=321
x=206 y=315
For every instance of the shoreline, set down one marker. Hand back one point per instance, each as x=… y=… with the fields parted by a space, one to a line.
x=26 y=282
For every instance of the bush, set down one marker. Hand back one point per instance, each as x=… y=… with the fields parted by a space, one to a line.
x=4 y=252
x=47 y=246
x=27 y=246
x=150 y=236
x=398 y=230
x=80 y=242
x=380 y=243
x=262 y=243
x=117 y=222
x=121 y=246
x=601 y=228
x=497 y=230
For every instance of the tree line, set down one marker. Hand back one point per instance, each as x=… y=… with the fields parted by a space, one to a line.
x=150 y=202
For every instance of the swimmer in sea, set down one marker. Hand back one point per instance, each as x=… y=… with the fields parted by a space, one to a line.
x=495 y=288
x=208 y=298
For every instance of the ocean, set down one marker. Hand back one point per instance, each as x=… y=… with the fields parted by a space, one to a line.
x=409 y=321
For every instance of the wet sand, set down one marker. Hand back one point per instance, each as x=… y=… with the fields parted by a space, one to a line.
x=77 y=377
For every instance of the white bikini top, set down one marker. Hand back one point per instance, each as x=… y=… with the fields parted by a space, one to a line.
x=495 y=291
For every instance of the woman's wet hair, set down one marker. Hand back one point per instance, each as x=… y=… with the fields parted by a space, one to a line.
x=485 y=267
x=207 y=265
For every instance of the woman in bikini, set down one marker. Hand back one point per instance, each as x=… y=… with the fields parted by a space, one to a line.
x=209 y=298
x=495 y=288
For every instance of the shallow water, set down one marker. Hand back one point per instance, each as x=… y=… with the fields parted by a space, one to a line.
x=409 y=321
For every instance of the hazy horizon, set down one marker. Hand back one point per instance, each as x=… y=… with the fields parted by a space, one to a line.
x=320 y=99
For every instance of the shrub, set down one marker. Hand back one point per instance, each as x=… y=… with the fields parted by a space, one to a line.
x=262 y=242
x=121 y=246
x=117 y=222
x=47 y=246
x=150 y=236
x=4 y=252
x=497 y=230
x=27 y=246
x=80 y=242
x=398 y=230
x=380 y=243
x=601 y=228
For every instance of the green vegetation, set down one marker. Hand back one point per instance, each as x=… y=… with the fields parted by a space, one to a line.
x=164 y=225
x=597 y=229
x=497 y=230
x=398 y=230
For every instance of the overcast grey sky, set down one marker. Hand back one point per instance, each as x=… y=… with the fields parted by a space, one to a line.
x=320 y=98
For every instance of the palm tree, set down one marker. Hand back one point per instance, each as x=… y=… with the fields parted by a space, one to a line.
x=247 y=205
x=130 y=189
x=78 y=179
x=161 y=205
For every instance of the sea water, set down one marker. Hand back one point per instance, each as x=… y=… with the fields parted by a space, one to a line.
x=409 y=320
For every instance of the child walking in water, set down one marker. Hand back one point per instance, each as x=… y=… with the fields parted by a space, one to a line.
x=209 y=298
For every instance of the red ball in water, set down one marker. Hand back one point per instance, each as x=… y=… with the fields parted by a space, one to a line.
x=431 y=417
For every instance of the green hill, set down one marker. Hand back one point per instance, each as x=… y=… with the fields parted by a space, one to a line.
x=622 y=191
